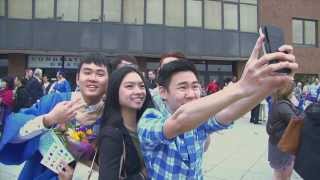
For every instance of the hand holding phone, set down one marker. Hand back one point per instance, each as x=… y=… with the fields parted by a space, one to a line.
x=274 y=38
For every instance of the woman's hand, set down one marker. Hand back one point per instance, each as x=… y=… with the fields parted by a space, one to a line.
x=66 y=173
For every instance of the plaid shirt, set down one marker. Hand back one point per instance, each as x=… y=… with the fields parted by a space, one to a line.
x=177 y=158
x=158 y=102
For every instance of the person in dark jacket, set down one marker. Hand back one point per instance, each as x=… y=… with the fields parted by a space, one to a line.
x=127 y=99
x=307 y=160
x=254 y=118
x=34 y=87
x=282 y=111
x=21 y=96
x=151 y=80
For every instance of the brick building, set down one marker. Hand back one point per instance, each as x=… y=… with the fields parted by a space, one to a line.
x=300 y=21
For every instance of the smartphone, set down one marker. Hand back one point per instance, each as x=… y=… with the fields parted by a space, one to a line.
x=274 y=38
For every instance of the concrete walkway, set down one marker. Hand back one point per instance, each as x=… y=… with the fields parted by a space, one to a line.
x=239 y=153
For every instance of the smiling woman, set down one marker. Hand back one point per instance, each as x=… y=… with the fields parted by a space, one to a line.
x=127 y=99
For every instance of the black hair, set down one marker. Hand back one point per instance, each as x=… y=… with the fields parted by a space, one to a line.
x=118 y=59
x=95 y=58
x=112 y=110
x=10 y=82
x=153 y=71
x=168 y=70
x=62 y=73
x=174 y=54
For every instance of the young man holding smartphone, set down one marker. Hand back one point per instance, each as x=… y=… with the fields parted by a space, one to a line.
x=172 y=143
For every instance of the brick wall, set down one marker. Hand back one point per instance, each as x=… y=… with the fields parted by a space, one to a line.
x=280 y=13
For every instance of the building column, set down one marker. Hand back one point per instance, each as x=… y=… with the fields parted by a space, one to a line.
x=239 y=67
x=16 y=64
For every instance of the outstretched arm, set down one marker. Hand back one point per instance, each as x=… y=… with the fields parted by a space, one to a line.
x=258 y=80
x=239 y=108
x=195 y=113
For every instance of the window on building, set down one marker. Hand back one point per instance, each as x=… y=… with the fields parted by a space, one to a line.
x=154 y=12
x=194 y=13
x=112 y=10
x=231 y=0
x=44 y=9
x=248 y=18
x=304 y=32
x=133 y=11
x=21 y=9
x=175 y=13
x=212 y=14
x=67 y=10
x=249 y=1
x=2 y=7
x=310 y=32
x=297 y=26
x=230 y=18
x=90 y=10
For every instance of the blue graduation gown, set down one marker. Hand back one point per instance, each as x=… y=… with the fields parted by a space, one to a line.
x=62 y=87
x=14 y=154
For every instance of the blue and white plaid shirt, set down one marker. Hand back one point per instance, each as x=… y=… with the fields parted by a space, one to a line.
x=177 y=158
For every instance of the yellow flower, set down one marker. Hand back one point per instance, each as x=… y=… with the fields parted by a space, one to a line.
x=81 y=134
x=75 y=136
x=89 y=132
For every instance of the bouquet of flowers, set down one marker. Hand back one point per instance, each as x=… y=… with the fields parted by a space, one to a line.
x=80 y=141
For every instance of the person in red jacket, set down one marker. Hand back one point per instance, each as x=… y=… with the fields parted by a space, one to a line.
x=213 y=87
x=6 y=98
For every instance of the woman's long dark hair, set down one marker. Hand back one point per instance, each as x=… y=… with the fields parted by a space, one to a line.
x=112 y=109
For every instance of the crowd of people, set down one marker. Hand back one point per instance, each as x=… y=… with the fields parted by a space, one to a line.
x=18 y=92
x=141 y=128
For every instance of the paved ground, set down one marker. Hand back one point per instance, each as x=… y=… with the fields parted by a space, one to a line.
x=239 y=153
x=236 y=154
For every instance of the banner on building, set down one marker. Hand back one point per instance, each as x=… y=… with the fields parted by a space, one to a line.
x=42 y=61
x=71 y=62
x=35 y=61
